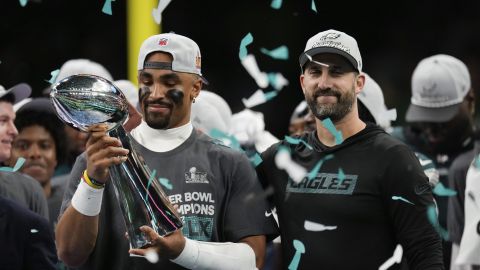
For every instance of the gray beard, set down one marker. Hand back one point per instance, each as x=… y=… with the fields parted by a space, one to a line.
x=333 y=111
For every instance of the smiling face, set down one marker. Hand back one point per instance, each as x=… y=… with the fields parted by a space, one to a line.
x=330 y=89
x=7 y=129
x=37 y=146
x=165 y=95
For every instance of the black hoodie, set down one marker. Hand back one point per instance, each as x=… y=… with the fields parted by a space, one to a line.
x=381 y=202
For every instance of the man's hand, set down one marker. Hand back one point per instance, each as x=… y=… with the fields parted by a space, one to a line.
x=169 y=246
x=102 y=152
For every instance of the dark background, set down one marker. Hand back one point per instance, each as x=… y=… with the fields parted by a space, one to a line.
x=393 y=36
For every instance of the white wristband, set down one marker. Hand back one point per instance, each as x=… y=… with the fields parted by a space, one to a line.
x=207 y=255
x=87 y=200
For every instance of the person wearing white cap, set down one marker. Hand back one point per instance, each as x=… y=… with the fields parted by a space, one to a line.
x=76 y=138
x=440 y=118
x=14 y=185
x=209 y=182
x=354 y=200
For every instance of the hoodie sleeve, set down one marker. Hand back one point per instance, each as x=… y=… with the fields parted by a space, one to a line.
x=409 y=201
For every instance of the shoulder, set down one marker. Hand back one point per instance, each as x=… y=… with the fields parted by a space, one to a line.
x=19 y=214
x=226 y=147
x=20 y=180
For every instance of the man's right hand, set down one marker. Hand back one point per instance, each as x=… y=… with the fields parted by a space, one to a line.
x=102 y=152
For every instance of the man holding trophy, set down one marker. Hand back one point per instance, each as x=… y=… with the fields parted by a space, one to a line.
x=211 y=185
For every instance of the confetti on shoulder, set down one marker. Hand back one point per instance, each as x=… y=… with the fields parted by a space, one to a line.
x=292 y=140
x=328 y=124
x=166 y=183
x=399 y=198
x=18 y=165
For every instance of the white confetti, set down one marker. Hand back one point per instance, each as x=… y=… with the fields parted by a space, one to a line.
x=317 y=227
x=396 y=258
x=157 y=12
x=284 y=161
x=250 y=64
x=151 y=256
x=33 y=230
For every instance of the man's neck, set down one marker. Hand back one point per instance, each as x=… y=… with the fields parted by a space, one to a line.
x=348 y=126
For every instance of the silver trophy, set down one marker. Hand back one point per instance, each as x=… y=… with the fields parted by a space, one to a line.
x=84 y=100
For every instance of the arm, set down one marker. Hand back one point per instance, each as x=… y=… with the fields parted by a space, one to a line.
x=77 y=229
x=421 y=243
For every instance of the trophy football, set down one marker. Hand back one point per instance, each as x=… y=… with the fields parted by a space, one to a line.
x=84 y=100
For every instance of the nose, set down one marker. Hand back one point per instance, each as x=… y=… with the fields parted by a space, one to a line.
x=12 y=130
x=34 y=151
x=324 y=80
x=157 y=91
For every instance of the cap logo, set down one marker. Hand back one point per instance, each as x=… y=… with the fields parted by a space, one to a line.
x=163 y=42
x=331 y=36
x=198 y=61
x=328 y=40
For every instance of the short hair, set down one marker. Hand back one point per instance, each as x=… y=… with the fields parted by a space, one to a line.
x=27 y=118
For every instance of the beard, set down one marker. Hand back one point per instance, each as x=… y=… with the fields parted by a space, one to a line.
x=334 y=111
x=157 y=120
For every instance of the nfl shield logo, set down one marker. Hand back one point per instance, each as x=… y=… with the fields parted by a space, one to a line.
x=163 y=42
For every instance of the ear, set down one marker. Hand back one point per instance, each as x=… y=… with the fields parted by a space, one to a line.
x=197 y=86
x=359 y=83
x=301 y=83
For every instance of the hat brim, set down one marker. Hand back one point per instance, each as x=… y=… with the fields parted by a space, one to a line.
x=417 y=113
x=19 y=91
x=314 y=51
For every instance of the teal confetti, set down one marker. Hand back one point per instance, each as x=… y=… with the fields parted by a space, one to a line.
x=276 y=4
x=477 y=162
x=16 y=167
x=291 y=140
x=23 y=3
x=399 y=198
x=272 y=78
x=107 y=7
x=256 y=159
x=270 y=95
x=220 y=135
x=54 y=75
x=247 y=40
x=432 y=217
x=328 y=124
x=314 y=8
x=314 y=172
x=299 y=250
x=166 y=183
x=280 y=53
x=341 y=175
x=441 y=190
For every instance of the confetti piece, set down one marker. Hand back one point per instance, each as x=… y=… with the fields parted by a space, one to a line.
x=399 y=198
x=314 y=8
x=299 y=250
x=250 y=64
x=16 y=167
x=314 y=172
x=477 y=162
x=256 y=159
x=256 y=99
x=107 y=7
x=227 y=140
x=341 y=175
x=291 y=140
x=441 y=190
x=150 y=180
x=247 y=40
x=284 y=161
x=157 y=12
x=328 y=124
x=33 y=230
x=396 y=258
x=270 y=95
x=280 y=53
x=317 y=227
x=277 y=81
x=276 y=4
x=54 y=75
x=151 y=256
x=23 y=3
x=166 y=183
x=433 y=218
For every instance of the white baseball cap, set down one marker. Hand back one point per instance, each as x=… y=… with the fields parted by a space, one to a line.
x=372 y=97
x=185 y=52
x=19 y=91
x=333 y=41
x=82 y=66
x=439 y=85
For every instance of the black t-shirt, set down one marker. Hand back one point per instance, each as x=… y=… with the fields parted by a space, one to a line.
x=216 y=190
x=358 y=201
